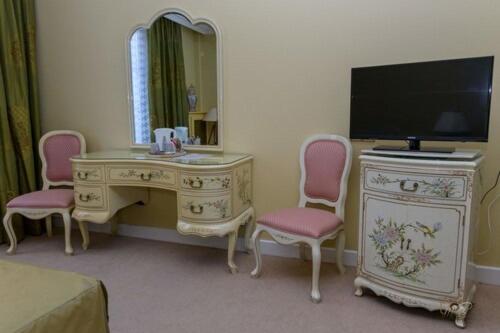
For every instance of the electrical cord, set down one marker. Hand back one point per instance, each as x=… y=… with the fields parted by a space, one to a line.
x=490 y=226
x=491 y=189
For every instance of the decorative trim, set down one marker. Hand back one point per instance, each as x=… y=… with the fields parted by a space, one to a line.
x=220 y=79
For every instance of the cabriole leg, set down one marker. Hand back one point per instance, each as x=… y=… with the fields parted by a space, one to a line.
x=67 y=233
x=85 y=234
x=7 y=224
x=316 y=261
x=256 y=251
x=230 y=251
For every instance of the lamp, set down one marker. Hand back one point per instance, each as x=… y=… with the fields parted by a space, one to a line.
x=211 y=116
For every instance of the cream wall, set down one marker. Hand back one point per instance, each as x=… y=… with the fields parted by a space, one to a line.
x=286 y=76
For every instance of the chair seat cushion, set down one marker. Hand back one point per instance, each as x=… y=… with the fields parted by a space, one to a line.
x=55 y=198
x=309 y=222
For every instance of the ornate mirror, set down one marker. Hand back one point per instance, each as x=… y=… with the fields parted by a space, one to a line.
x=175 y=81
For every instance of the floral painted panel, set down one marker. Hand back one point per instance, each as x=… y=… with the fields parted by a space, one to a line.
x=411 y=243
x=398 y=254
x=438 y=186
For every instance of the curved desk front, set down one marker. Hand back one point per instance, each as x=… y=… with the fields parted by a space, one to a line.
x=214 y=191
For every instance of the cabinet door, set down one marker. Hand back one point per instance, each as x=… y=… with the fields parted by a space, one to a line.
x=411 y=245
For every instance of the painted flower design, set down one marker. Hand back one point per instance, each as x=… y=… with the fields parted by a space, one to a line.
x=425 y=257
x=395 y=247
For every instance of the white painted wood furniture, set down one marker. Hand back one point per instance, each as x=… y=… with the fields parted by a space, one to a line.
x=55 y=149
x=416 y=233
x=325 y=163
x=214 y=191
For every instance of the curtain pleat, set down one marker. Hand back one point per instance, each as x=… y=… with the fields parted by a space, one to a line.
x=19 y=109
x=167 y=82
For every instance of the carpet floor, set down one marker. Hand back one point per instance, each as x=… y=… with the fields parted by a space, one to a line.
x=163 y=287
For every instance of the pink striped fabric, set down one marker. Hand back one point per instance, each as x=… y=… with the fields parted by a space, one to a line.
x=324 y=163
x=309 y=222
x=56 y=198
x=57 y=150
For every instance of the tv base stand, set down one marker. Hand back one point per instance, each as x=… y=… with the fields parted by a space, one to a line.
x=440 y=150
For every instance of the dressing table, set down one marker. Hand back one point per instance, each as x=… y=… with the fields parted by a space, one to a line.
x=214 y=190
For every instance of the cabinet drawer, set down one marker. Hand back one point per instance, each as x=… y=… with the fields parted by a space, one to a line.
x=205 y=208
x=88 y=173
x=146 y=175
x=435 y=186
x=200 y=182
x=90 y=196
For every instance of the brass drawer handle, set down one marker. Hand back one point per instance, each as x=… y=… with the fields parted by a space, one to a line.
x=196 y=183
x=196 y=209
x=146 y=177
x=82 y=175
x=84 y=198
x=404 y=188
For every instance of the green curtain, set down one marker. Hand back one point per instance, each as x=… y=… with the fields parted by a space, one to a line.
x=19 y=113
x=167 y=78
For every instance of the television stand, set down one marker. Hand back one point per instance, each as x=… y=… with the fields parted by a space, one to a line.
x=414 y=145
x=439 y=150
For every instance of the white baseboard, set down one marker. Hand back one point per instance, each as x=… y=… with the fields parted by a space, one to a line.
x=488 y=274
x=484 y=274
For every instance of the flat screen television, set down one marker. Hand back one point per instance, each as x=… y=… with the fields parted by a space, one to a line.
x=446 y=100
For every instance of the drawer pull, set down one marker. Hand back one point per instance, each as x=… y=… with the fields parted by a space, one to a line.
x=82 y=175
x=406 y=189
x=196 y=209
x=146 y=177
x=84 y=198
x=196 y=183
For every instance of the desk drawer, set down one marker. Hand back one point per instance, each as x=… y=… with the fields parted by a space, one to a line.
x=146 y=175
x=434 y=186
x=90 y=196
x=205 y=208
x=204 y=181
x=88 y=173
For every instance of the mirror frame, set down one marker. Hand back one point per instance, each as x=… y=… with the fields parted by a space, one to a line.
x=130 y=98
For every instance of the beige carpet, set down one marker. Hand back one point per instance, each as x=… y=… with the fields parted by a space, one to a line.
x=163 y=287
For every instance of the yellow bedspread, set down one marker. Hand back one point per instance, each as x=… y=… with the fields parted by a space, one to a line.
x=38 y=300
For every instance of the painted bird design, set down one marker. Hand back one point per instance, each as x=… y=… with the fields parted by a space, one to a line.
x=427 y=231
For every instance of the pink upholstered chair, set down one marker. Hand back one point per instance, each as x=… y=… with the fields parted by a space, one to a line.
x=55 y=149
x=325 y=162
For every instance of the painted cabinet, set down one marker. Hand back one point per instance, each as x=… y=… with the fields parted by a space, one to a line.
x=415 y=233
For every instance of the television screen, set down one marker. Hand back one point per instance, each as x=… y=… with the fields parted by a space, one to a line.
x=439 y=100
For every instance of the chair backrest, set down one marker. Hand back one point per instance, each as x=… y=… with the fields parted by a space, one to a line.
x=55 y=149
x=325 y=163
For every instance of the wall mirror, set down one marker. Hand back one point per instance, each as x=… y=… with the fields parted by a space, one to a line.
x=175 y=81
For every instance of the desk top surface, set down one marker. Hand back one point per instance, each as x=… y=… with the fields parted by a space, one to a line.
x=188 y=159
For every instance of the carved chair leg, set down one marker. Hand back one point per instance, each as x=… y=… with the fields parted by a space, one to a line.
x=85 y=234
x=230 y=251
x=48 y=225
x=316 y=261
x=302 y=251
x=7 y=224
x=340 y=251
x=256 y=251
x=67 y=233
